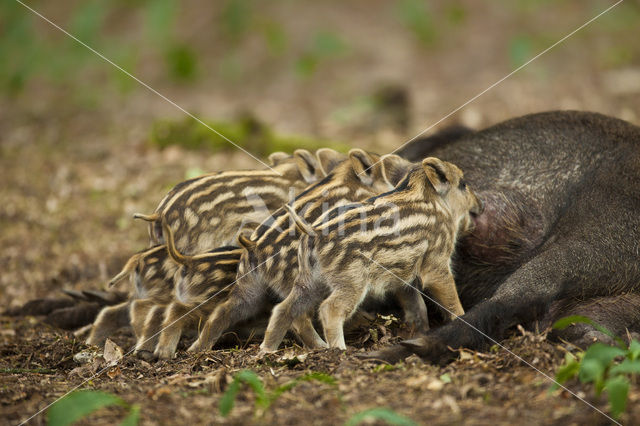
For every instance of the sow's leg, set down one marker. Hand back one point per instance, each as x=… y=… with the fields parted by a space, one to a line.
x=564 y=268
x=619 y=314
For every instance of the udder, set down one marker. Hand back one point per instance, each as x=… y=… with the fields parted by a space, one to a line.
x=509 y=227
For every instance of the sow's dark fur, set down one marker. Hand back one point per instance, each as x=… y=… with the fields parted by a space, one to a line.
x=561 y=226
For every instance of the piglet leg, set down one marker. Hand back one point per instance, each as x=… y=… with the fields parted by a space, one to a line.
x=334 y=311
x=109 y=320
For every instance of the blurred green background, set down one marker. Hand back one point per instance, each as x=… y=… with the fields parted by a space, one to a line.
x=333 y=64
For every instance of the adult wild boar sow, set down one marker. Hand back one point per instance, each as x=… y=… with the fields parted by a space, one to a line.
x=561 y=192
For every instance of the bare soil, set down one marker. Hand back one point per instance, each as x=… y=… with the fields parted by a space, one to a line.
x=484 y=388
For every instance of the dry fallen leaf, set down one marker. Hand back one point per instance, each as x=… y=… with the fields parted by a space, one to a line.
x=157 y=393
x=290 y=358
x=84 y=357
x=114 y=372
x=465 y=355
x=112 y=353
x=82 y=371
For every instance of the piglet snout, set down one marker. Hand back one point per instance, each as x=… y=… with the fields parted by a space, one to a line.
x=478 y=208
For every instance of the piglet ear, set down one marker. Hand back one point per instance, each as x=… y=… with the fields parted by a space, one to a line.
x=394 y=168
x=363 y=164
x=307 y=165
x=277 y=158
x=328 y=159
x=436 y=172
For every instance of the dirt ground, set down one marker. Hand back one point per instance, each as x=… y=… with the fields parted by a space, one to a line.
x=73 y=173
x=478 y=388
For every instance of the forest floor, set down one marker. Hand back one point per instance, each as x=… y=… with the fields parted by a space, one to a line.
x=37 y=365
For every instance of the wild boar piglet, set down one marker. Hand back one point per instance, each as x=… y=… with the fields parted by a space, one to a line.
x=383 y=244
x=209 y=211
x=268 y=265
x=151 y=274
x=201 y=282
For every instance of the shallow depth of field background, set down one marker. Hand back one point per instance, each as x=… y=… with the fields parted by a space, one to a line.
x=83 y=146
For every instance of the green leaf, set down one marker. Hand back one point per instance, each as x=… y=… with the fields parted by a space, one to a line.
x=79 y=404
x=255 y=383
x=319 y=377
x=445 y=378
x=384 y=367
x=133 y=418
x=591 y=370
x=634 y=349
x=627 y=366
x=383 y=414
x=617 y=388
x=250 y=378
x=602 y=353
x=226 y=402
x=565 y=322
x=566 y=371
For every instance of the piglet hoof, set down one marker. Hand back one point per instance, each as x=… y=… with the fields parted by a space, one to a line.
x=390 y=355
x=146 y=355
x=196 y=347
x=320 y=345
x=164 y=354
x=261 y=355
x=264 y=351
x=92 y=341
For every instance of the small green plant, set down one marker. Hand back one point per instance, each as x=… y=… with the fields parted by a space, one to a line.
x=264 y=399
x=247 y=132
x=380 y=413
x=384 y=367
x=80 y=404
x=445 y=378
x=325 y=45
x=456 y=14
x=598 y=365
x=181 y=61
x=415 y=15
x=520 y=50
x=24 y=50
x=236 y=19
x=275 y=37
